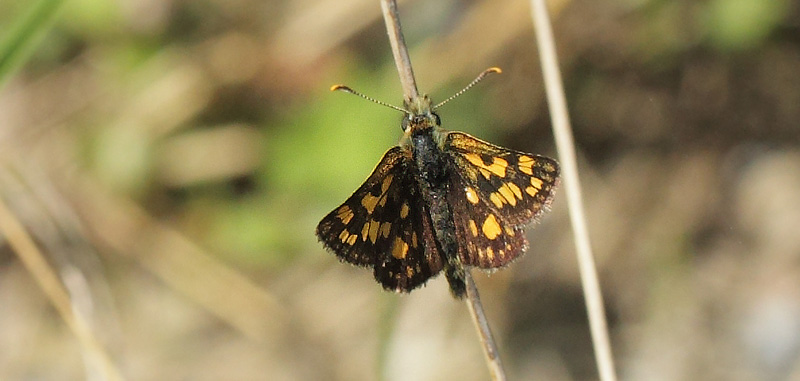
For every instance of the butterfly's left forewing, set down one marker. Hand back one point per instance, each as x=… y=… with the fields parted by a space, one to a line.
x=385 y=225
x=495 y=192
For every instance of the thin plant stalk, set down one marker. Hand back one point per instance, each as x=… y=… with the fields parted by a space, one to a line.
x=484 y=331
x=399 y=49
x=566 y=153
x=410 y=92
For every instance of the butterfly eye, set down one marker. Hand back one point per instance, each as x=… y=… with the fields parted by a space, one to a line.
x=404 y=123
x=436 y=119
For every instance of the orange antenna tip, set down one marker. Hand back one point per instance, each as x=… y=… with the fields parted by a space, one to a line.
x=475 y=81
x=351 y=91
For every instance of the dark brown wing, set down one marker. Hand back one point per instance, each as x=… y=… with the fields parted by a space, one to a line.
x=495 y=192
x=385 y=225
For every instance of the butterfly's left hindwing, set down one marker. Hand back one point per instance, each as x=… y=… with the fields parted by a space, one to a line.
x=385 y=225
x=494 y=192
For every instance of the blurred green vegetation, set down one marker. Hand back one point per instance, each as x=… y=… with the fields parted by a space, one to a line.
x=22 y=35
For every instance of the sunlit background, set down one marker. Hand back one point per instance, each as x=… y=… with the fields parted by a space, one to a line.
x=172 y=159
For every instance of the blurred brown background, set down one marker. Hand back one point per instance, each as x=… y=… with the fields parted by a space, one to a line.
x=172 y=158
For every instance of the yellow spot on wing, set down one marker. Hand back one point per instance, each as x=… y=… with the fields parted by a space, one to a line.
x=414 y=240
x=498 y=166
x=352 y=239
x=526 y=165
x=471 y=195
x=515 y=189
x=373 y=230
x=475 y=159
x=473 y=228
x=536 y=186
x=404 y=210
x=345 y=214
x=496 y=199
x=365 y=231
x=386 y=182
x=508 y=194
x=343 y=236
x=491 y=228
x=490 y=253
x=399 y=248
x=369 y=202
x=385 y=227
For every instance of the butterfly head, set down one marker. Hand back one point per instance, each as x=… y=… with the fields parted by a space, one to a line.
x=419 y=116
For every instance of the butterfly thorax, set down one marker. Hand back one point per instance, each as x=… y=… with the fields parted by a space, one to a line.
x=429 y=158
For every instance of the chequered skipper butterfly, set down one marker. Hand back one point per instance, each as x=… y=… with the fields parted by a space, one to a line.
x=440 y=200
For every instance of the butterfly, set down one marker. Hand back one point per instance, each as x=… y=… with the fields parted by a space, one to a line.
x=439 y=200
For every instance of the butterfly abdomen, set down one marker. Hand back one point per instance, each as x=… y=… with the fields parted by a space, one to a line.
x=433 y=184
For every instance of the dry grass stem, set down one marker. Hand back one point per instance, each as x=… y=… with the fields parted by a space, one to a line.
x=484 y=331
x=399 y=49
x=44 y=275
x=566 y=152
x=410 y=91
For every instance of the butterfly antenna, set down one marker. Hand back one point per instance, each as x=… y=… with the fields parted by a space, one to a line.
x=473 y=83
x=351 y=91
